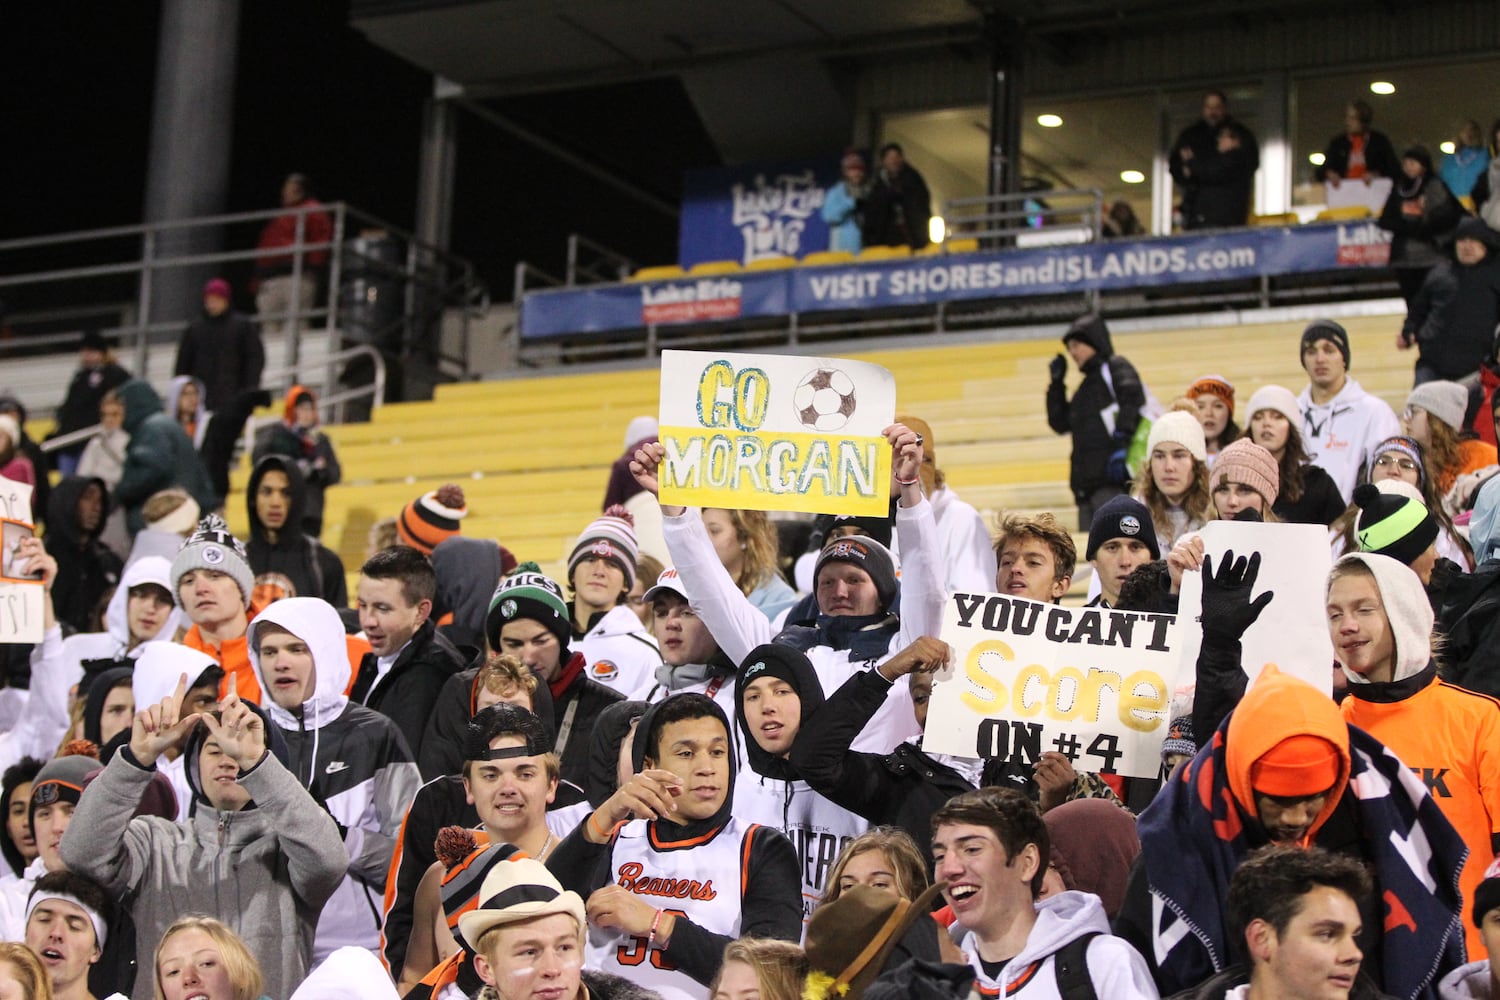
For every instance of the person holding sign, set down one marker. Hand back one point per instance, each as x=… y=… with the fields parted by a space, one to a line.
x=1245 y=477
x=44 y=721
x=854 y=582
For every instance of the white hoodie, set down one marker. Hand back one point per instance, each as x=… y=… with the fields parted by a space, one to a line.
x=158 y=668
x=1339 y=435
x=621 y=654
x=1117 y=970
x=353 y=760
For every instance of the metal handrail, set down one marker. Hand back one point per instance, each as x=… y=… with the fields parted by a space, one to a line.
x=1076 y=206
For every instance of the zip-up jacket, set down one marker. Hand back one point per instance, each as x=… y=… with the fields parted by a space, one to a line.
x=409 y=690
x=1340 y=433
x=621 y=654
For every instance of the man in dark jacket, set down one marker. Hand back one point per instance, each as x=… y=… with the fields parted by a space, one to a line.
x=274 y=499
x=899 y=207
x=76 y=511
x=1102 y=415
x=409 y=662
x=97 y=374
x=160 y=455
x=1359 y=152
x=298 y=438
x=222 y=349
x=1214 y=160
x=1452 y=320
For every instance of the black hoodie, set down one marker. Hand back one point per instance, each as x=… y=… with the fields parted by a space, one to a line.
x=314 y=569
x=86 y=568
x=1082 y=416
x=769 y=899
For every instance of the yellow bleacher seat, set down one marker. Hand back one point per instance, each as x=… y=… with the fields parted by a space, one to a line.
x=884 y=253
x=1277 y=219
x=821 y=257
x=931 y=250
x=658 y=273
x=1347 y=213
x=966 y=245
x=771 y=263
x=715 y=267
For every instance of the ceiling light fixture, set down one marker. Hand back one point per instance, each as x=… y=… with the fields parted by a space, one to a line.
x=1316 y=159
x=1383 y=88
x=1049 y=121
x=1132 y=177
x=1448 y=147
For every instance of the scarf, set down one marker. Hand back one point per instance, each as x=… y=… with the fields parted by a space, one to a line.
x=866 y=637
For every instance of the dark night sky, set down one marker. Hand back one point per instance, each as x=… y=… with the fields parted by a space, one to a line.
x=313 y=95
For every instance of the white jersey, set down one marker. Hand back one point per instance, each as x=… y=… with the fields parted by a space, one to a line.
x=701 y=880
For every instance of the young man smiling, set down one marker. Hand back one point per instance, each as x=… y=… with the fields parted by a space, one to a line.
x=992 y=849
x=669 y=874
x=352 y=760
x=621 y=654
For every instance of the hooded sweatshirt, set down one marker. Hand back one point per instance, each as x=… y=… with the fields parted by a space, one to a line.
x=1470 y=613
x=726 y=877
x=621 y=654
x=310 y=448
x=1448 y=736
x=1116 y=969
x=201 y=416
x=1340 y=434
x=352 y=760
x=468 y=570
x=158 y=667
x=265 y=870
x=773 y=793
x=1104 y=411
x=314 y=569
x=93 y=651
x=84 y=563
x=160 y=455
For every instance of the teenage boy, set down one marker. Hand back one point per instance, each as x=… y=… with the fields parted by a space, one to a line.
x=141 y=610
x=690 y=658
x=214 y=585
x=409 y=661
x=621 y=654
x=1121 y=539
x=259 y=854
x=154 y=678
x=776 y=693
x=1036 y=558
x=276 y=501
x=1296 y=911
x=858 y=624
x=54 y=798
x=669 y=873
x=992 y=849
x=67 y=921
x=353 y=761
x=1341 y=423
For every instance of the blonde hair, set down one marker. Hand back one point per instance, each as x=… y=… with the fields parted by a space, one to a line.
x=30 y=975
x=503 y=672
x=161 y=503
x=899 y=849
x=1045 y=529
x=382 y=536
x=1195 y=502
x=243 y=971
x=762 y=546
x=780 y=966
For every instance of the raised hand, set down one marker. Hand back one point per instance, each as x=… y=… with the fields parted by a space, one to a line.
x=643 y=466
x=924 y=655
x=1058 y=367
x=240 y=731
x=650 y=794
x=1228 y=611
x=157 y=728
x=906 y=461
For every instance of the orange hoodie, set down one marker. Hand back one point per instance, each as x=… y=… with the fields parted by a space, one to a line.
x=1278 y=707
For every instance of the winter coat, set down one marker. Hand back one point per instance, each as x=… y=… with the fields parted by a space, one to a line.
x=160 y=455
x=1217 y=987
x=281 y=232
x=843 y=210
x=1083 y=416
x=1115 y=968
x=313 y=452
x=225 y=353
x=967 y=552
x=1470 y=613
x=216 y=434
x=1216 y=187
x=314 y=569
x=409 y=690
x=897 y=210
x=468 y=570
x=1420 y=240
x=80 y=407
x=86 y=568
x=353 y=761
x=1380 y=157
x=1340 y=434
x=265 y=870
x=1455 y=313
x=601 y=986
x=622 y=655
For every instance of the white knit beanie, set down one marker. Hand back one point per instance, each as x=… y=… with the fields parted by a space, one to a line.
x=1278 y=398
x=1181 y=428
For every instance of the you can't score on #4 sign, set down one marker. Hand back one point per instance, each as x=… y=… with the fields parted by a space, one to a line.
x=1091 y=683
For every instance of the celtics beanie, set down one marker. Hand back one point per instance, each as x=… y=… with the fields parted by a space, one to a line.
x=431 y=518
x=528 y=593
x=211 y=546
x=1394 y=525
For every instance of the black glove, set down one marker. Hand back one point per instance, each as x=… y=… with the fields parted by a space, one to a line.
x=1228 y=611
x=1058 y=368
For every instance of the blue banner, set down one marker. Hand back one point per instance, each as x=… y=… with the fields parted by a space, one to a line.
x=1168 y=260
x=752 y=212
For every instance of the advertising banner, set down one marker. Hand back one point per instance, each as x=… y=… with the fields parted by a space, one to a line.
x=752 y=212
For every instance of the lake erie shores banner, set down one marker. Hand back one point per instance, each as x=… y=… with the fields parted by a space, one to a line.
x=1093 y=684
x=754 y=211
x=774 y=432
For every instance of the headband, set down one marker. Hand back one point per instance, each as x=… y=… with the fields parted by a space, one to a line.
x=39 y=897
x=505 y=753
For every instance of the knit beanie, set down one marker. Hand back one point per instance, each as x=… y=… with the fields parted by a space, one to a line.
x=870 y=556
x=1213 y=385
x=180 y=520
x=529 y=594
x=1392 y=524
x=1181 y=428
x=611 y=536
x=432 y=517
x=1249 y=464
x=1180 y=737
x=211 y=546
x=1448 y=401
x=1409 y=447
x=1325 y=329
x=1298 y=766
x=1122 y=517
x=216 y=286
x=773 y=660
x=1278 y=398
x=466 y=864
x=1486 y=894
x=61 y=779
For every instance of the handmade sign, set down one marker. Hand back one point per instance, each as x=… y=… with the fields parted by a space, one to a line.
x=767 y=432
x=20 y=591
x=1090 y=683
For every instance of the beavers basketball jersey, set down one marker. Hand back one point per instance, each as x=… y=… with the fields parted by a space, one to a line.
x=702 y=879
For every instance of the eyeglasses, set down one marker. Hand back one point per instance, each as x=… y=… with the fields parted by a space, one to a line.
x=1387 y=461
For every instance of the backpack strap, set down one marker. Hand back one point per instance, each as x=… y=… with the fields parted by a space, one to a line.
x=1070 y=964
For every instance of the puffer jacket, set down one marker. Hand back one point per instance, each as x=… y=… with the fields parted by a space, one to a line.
x=160 y=455
x=1083 y=415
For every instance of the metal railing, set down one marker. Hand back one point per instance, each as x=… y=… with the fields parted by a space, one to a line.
x=999 y=220
x=384 y=288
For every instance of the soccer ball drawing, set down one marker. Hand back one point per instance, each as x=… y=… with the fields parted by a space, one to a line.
x=824 y=399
